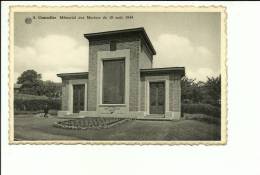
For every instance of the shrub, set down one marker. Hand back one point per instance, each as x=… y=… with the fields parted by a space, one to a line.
x=29 y=97
x=36 y=104
x=201 y=108
x=51 y=112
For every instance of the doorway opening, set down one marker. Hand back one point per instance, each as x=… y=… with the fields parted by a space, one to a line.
x=157 y=97
x=78 y=98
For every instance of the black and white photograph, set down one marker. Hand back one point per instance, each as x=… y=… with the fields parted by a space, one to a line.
x=130 y=87
x=141 y=77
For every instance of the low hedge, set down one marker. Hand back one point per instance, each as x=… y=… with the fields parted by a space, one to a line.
x=36 y=104
x=29 y=97
x=201 y=109
x=51 y=112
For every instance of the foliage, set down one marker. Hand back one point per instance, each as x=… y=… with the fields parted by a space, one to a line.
x=29 y=97
x=213 y=87
x=30 y=81
x=208 y=92
x=35 y=93
x=32 y=84
x=28 y=113
x=29 y=78
x=51 y=89
x=201 y=109
x=36 y=104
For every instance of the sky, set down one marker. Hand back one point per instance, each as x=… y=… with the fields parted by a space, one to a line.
x=52 y=46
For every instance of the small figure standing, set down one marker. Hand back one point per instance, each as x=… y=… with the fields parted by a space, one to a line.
x=46 y=110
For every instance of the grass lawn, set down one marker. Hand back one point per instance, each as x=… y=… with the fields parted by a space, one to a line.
x=32 y=127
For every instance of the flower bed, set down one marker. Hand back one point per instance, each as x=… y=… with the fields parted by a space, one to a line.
x=89 y=123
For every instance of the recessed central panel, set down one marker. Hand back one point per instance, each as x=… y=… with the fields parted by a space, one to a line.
x=113 y=81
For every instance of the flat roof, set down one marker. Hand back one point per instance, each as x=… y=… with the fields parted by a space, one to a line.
x=139 y=30
x=73 y=75
x=180 y=70
x=164 y=70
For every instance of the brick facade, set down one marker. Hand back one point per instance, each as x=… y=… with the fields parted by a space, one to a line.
x=175 y=93
x=135 y=47
x=142 y=94
x=94 y=47
x=133 y=44
x=65 y=93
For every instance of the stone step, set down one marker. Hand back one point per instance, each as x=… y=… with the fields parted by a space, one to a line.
x=156 y=117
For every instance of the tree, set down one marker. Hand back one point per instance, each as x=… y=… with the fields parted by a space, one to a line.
x=191 y=90
x=213 y=86
x=29 y=78
x=51 y=89
x=186 y=89
x=31 y=82
x=201 y=92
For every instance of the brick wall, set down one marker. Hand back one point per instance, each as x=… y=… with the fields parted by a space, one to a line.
x=142 y=94
x=175 y=93
x=94 y=47
x=65 y=92
x=134 y=72
x=146 y=58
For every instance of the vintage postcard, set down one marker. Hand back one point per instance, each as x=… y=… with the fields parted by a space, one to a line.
x=117 y=75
